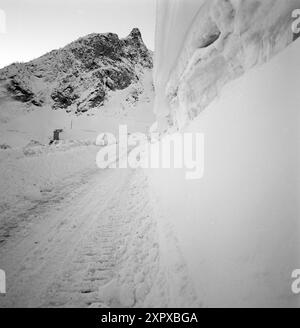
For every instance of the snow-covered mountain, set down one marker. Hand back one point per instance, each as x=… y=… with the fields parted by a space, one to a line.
x=87 y=87
x=81 y=75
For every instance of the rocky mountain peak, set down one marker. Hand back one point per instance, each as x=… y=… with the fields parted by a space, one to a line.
x=136 y=34
x=81 y=75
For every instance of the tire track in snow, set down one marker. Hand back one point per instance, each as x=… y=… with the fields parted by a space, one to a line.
x=117 y=263
x=32 y=264
x=99 y=246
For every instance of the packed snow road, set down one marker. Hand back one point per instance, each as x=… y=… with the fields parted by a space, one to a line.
x=93 y=243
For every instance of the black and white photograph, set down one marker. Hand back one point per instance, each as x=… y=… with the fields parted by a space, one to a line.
x=149 y=156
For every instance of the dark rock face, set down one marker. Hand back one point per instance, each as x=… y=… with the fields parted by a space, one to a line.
x=64 y=98
x=19 y=92
x=81 y=75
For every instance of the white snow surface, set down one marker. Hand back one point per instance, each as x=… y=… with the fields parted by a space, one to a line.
x=238 y=227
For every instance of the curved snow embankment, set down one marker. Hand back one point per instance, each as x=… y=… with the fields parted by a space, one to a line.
x=238 y=227
x=216 y=42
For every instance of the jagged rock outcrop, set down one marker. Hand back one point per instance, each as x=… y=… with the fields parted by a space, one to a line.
x=81 y=75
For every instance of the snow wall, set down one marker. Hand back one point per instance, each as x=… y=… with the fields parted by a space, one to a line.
x=237 y=228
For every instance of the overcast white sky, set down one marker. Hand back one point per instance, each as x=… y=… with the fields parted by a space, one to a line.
x=35 y=27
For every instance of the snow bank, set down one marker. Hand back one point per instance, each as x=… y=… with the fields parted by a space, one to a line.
x=202 y=45
x=238 y=227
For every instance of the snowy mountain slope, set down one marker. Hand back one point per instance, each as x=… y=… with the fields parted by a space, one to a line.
x=132 y=106
x=90 y=86
x=81 y=75
x=238 y=226
x=216 y=41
